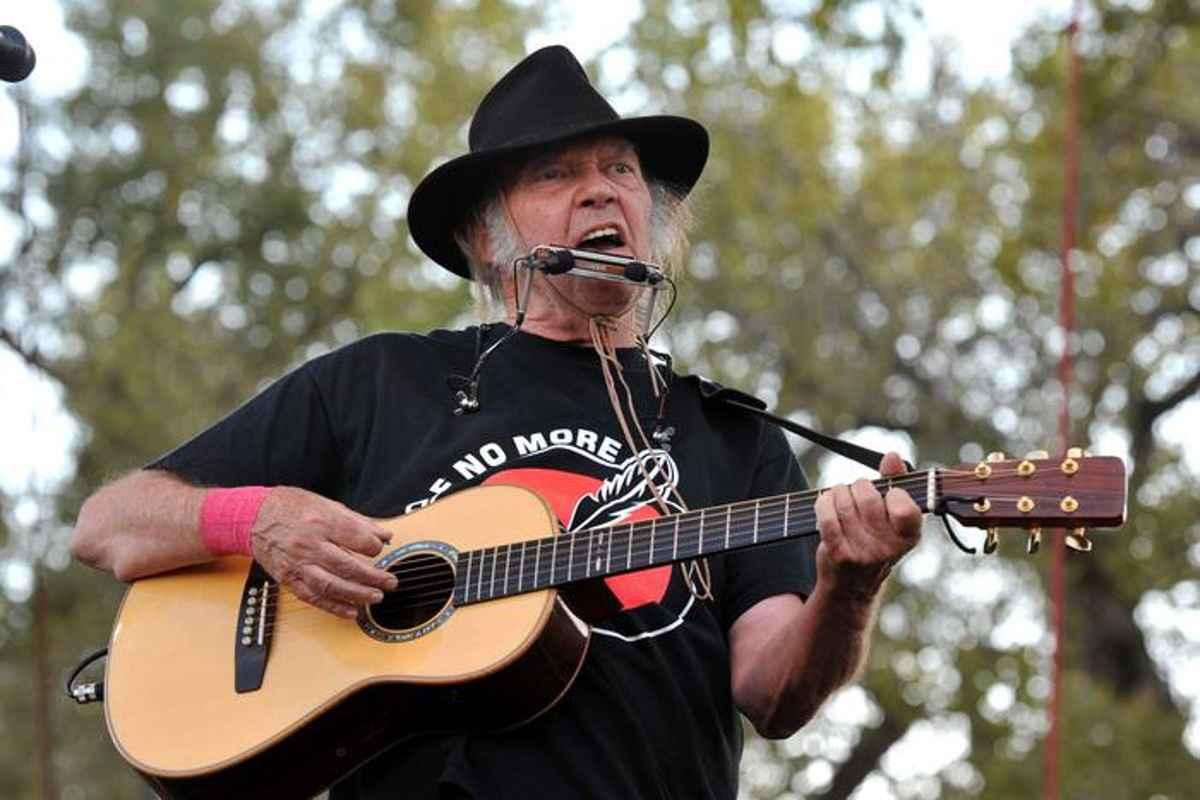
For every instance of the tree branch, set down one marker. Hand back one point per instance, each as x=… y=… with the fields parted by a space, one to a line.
x=865 y=758
x=31 y=357
x=1150 y=410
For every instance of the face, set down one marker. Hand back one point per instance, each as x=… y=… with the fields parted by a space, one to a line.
x=589 y=195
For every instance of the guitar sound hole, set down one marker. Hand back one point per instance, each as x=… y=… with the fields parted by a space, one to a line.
x=426 y=584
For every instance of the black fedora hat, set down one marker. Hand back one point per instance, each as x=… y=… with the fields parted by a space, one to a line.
x=546 y=99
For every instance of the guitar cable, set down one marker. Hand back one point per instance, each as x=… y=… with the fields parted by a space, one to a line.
x=85 y=693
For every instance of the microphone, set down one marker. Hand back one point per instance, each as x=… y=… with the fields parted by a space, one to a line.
x=17 y=58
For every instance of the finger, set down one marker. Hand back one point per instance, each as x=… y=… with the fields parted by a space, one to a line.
x=891 y=464
x=827 y=519
x=327 y=585
x=355 y=569
x=904 y=514
x=313 y=598
x=844 y=507
x=359 y=534
x=870 y=505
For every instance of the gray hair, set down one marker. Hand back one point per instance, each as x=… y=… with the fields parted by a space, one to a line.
x=671 y=221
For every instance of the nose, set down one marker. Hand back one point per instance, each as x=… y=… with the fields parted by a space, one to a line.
x=595 y=188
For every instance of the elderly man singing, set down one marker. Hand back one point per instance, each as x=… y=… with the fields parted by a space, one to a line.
x=568 y=218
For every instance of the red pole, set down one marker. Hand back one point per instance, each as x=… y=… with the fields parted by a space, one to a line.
x=1066 y=371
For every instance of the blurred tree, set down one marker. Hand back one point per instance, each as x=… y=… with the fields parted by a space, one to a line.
x=915 y=238
x=222 y=199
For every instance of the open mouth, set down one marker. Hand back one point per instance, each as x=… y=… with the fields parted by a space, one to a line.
x=605 y=238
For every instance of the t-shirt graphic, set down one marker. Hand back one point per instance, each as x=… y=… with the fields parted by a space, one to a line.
x=583 y=501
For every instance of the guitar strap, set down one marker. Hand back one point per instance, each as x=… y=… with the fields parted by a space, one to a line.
x=715 y=392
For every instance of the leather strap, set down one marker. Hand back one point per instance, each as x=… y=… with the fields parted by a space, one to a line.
x=713 y=391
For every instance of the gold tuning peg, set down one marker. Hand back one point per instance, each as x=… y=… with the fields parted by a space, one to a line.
x=1078 y=541
x=1035 y=455
x=1074 y=452
x=1034 y=542
x=994 y=457
x=991 y=541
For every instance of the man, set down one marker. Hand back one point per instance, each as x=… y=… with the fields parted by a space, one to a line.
x=560 y=405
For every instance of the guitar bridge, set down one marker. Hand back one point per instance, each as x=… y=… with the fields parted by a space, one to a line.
x=256 y=618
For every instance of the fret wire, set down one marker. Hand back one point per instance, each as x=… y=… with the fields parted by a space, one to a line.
x=521 y=569
x=757 y=506
x=507 y=563
x=495 y=558
x=479 y=587
x=605 y=532
x=587 y=571
x=629 y=549
x=608 y=561
x=553 y=558
x=728 y=518
x=467 y=578
x=571 y=559
x=700 y=537
x=786 y=504
x=537 y=561
x=675 y=539
x=653 y=522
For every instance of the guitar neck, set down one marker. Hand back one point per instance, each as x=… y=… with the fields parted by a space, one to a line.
x=527 y=566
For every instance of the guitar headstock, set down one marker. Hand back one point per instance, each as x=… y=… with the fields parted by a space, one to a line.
x=1076 y=491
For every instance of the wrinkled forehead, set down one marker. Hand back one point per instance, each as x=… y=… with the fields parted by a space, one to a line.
x=603 y=146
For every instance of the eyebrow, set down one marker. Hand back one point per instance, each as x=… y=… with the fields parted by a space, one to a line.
x=619 y=148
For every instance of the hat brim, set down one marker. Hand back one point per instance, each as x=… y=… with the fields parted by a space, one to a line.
x=672 y=150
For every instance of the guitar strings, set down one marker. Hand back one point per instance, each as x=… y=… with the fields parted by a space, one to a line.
x=766 y=505
x=442 y=588
x=483 y=587
x=687 y=536
x=767 y=513
x=740 y=534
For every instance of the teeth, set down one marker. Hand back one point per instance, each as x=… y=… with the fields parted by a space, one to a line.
x=599 y=233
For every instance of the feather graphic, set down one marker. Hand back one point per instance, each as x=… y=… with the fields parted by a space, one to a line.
x=626 y=491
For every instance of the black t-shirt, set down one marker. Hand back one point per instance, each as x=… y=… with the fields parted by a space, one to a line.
x=372 y=425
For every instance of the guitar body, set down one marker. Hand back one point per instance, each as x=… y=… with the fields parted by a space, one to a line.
x=331 y=695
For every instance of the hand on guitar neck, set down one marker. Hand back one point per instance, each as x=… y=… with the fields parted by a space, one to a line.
x=864 y=533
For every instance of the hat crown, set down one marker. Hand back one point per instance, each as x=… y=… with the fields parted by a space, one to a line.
x=546 y=92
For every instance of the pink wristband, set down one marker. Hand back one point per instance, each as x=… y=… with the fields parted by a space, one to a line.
x=226 y=517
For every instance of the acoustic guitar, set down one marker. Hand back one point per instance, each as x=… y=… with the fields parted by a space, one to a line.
x=222 y=683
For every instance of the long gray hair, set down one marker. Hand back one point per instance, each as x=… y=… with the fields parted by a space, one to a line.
x=671 y=221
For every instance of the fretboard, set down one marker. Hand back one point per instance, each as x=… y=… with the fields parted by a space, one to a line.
x=527 y=566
